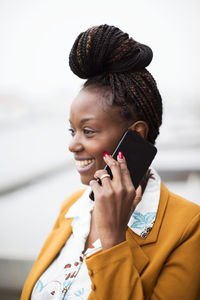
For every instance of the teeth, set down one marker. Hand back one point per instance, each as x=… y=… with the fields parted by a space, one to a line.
x=83 y=163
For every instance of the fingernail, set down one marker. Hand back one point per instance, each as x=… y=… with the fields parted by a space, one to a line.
x=105 y=154
x=120 y=155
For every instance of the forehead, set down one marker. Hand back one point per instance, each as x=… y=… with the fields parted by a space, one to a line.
x=94 y=103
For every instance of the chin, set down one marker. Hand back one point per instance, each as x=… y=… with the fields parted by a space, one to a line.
x=85 y=180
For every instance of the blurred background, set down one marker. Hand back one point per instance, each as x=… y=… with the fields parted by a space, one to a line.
x=36 y=88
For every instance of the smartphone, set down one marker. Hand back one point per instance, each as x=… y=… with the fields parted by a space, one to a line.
x=139 y=154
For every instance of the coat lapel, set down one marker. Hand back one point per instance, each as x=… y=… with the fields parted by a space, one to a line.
x=136 y=242
x=55 y=241
x=53 y=245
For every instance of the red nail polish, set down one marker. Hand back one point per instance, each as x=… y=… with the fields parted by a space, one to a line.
x=105 y=154
x=120 y=154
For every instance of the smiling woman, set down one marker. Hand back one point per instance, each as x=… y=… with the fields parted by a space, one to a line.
x=122 y=245
x=96 y=128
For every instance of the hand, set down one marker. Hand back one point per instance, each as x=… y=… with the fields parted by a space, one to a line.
x=115 y=201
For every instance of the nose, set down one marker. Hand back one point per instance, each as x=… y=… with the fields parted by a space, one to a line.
x=75 y=144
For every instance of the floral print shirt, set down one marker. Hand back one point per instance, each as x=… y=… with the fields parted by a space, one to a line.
x=67 y=276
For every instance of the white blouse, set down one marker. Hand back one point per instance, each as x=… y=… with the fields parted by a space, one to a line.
x=67 y=276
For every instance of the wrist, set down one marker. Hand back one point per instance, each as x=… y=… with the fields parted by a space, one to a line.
x=113 y=241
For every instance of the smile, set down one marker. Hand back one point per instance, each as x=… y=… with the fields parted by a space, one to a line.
x=84 y=165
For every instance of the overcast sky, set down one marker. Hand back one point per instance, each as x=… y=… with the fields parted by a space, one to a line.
x=36 y=37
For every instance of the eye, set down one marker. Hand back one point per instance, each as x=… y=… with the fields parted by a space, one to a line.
x=72 y=131
x=88 y=131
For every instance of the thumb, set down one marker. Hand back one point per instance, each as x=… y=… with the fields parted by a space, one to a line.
x=137 y=199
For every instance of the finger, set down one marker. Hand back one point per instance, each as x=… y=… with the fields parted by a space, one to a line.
x=94 y=186
x=125 y=174
x=114 y=166
x=137 y=199
x=100 y=173
x=104 y=177
x=138 y=196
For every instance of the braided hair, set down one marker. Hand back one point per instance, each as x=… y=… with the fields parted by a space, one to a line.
x=108 y=58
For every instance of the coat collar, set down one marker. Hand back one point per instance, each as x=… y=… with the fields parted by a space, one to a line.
x=153 y=235
x=141 y=219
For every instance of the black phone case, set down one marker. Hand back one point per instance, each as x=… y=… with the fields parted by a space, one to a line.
x=139 y=154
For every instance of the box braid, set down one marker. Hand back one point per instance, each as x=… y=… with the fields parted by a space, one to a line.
x=108 y=58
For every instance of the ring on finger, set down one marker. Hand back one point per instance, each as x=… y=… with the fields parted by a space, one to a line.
x=104 y=175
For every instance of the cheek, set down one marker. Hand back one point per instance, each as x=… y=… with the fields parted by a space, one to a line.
x=98 y=152
x=106 y=145
x=96 y=148
x=106 y=142
x=101 y=146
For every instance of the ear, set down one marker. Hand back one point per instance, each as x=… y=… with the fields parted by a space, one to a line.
x=141 y=127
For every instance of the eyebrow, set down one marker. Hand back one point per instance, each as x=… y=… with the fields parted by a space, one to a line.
x=85 y=120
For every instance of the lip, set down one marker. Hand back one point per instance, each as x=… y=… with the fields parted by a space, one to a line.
x=82 y=169
x=83 y=158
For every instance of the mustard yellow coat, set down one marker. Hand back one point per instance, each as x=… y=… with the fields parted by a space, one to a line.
x=164 y=266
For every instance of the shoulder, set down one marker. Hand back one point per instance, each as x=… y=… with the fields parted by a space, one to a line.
x=70 y=200
x=182 y=206
x=180 y=214
x=67 y=203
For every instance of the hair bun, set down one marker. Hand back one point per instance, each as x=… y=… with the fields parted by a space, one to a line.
x=106 y=48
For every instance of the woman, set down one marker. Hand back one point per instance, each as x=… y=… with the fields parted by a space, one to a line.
x=91 y=253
